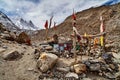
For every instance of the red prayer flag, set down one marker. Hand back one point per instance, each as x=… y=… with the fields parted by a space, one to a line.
x=46 y=24
x=73 y=15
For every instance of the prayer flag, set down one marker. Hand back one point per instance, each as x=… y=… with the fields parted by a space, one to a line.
x=46 y=24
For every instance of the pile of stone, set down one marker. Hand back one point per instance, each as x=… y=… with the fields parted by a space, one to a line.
x=101 y=64
x=104 y=66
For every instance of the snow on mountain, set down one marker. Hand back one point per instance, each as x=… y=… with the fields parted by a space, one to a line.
x=7 y=22
x=23 y=24
x=111 y=2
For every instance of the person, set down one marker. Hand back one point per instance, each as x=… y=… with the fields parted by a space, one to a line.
x=54 y=41
x=55 y=38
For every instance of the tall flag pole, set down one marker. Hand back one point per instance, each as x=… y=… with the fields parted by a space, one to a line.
x=46 y=27
x=102 y=37
x=50 y=21
x=73 y=15
x=74 y=33
x=54 y=27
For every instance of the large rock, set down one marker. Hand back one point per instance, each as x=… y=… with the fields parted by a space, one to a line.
x=79 y=68
x=46 y=61
x=12 y=55
x=23 y=38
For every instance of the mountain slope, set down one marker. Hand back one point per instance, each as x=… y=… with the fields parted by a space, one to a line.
x=111 y=2
x=88 y=21
x=23 y=24
x=7 y=22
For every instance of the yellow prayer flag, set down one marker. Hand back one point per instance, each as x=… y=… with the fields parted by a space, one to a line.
x=101 y=40
x=85 y=34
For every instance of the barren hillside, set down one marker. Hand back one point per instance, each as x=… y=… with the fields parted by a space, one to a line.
x=88 y=21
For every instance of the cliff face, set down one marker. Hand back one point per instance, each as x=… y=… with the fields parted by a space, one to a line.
x=89 y=21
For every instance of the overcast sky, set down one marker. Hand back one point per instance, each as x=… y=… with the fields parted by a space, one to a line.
x=40 y=10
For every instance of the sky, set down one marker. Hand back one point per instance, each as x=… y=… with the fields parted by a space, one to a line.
x=38 y=11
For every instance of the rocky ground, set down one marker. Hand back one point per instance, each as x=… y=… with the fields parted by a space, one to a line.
x=42 y=62
x=23 y=62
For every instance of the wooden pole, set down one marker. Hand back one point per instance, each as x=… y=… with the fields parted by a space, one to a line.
x=74 y=46
x=46 y=35
x=102 y=37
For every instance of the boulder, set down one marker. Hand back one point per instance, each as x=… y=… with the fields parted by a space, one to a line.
x=79 y=68
x=72 y=75
x=46 y=61
x=23 y=38
x=12 y=55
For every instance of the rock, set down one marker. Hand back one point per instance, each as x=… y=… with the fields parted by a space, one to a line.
x=86 y=79
x=117 y=75
x=109 y=46
x=79 y=68
x=112 y=66
x=83 y=75
x=46 y=61
x=104 y=67
x=94 y=67
x=71 y=75
x=2 y=50
x=5 y=36
x=23 y=38
x=36 y=54
x=67 y=69
x=109 y=75
x=30 y=69
x=12 y=55
x=5 y=47
x=48 y=48
x=107 y=57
